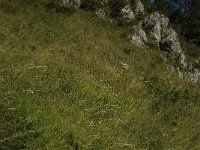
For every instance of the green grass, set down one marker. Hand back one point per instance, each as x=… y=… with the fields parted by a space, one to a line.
x=62 y=86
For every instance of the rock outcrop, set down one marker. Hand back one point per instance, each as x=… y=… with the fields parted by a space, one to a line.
x=155 y=30
x=139 y=38
x=152 y=25
x=139 y=7
x=130 y=12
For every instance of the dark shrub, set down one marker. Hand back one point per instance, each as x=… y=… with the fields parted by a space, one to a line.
x=116 y=6
x=60 y=8
x=91 y=4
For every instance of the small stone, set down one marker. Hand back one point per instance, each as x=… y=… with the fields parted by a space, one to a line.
x=124 y=65
x=100 y=13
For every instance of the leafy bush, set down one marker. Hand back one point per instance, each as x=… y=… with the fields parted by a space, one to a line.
x=91 y=4
x=53 y=5
x=116 y=6
x=60 y=8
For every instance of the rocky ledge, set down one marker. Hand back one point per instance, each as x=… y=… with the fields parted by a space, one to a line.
x=154 y=30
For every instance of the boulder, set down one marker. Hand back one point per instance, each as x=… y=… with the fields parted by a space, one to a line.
x=127 y=13
x=170 y=43
x=139 y=38
x=139 y=7
x=152 y=27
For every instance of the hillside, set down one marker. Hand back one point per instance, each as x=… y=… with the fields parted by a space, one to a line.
x=73 y=81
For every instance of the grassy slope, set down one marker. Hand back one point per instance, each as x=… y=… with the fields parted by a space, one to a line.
x=62 y=87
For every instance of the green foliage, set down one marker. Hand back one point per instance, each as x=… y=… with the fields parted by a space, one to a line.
x=53 y=5
x=91 y=4
x=191 y=49
x=116 y=6
x=60 y=8
x=191 y=23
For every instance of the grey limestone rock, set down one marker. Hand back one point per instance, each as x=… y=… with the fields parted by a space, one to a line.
x=139 y=7
x=194 y=75
x=156 y=31
x=153 y=27
x=139 y=38
x=127 y=13
x=170 y=41
x=130 y=12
